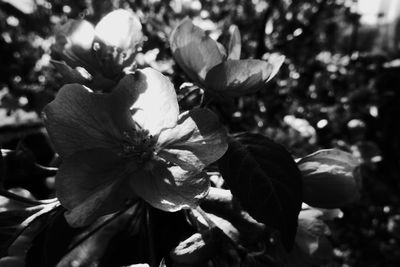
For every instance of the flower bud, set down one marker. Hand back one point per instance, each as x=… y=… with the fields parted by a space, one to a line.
x=328 y=178
x=73 y=41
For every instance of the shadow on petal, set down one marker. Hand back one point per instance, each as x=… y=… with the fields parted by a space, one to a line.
x=91 y=184
x=169 y=188
x=79 y=119
x=69 y=74
x=152 y=96
x=198 y=140
x=74 y=41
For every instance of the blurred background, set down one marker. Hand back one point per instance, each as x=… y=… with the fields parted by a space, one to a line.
x=339 y=87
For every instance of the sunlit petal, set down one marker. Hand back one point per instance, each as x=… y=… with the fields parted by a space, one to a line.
x=90 y=184
x=169 y=189
x=119 y=28
x=239 y=77
x=222 y=50
x=198 y=140
x=79 y=119
x=155 y=106
x=235 y=45
x=194 y=51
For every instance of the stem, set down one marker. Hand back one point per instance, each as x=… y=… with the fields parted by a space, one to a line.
x=205 y=217
x=153 y=261
x=212 y=225
x=25 y=200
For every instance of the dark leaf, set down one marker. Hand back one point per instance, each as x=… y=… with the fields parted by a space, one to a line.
x=22 y=170
x=16 y=213
x=90 y=251
x=266 y=181
x=168 y=229
x=52 y=243
x=21 y=235
x=9 y=224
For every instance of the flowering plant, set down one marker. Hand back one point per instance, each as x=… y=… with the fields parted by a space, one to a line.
x=127 y=155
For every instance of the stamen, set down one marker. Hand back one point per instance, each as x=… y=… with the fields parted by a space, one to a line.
x=138 y=144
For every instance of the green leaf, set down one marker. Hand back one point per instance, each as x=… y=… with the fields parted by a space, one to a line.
x=266 y=181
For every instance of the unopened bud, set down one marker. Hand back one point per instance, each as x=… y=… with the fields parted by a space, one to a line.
x=328 y=178
x=74 y=41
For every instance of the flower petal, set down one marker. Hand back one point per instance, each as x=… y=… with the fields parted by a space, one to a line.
x=78 y=119
x=74 y=41
x=235 y=46
x=310 y=229
x=69 y=74
x=198 y=140
x=194 y=51
x=239 y=77
x=121 y=29
x=90 y=184
x=155 y=107
x=169 y=189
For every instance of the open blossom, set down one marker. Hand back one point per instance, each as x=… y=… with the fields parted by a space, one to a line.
x=208 y=63
x=97 y=53
x=130 y=143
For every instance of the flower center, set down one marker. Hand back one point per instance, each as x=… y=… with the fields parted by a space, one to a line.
x=138 y=144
